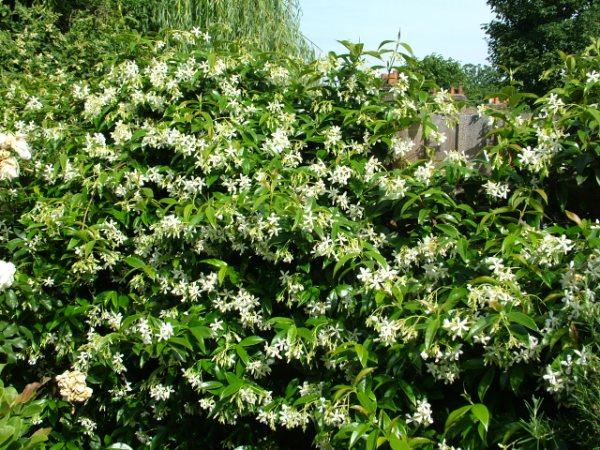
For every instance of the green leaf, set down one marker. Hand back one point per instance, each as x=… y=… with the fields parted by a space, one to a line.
x=243 y=354
x=485 y=383
x=455 y=415
x=210 y=385
x=430 y=332
x=595 y=122
x=363 y=355
x=367 y=401
x=573 y=217
x=408 y=390
x=358 y=433
x=134 y=262
x=342 y=261
x=231 y=389
x=516 y=376
x=419 y=441
x=251 y=340
x=482 y=414
x=522 y=319
x=455 y=295
x=461 y=247
x=371 y=443
x=363 y=373
x=398 y=444
x=137 y=263
x=448 y=230
x=508 y=244
x=307 y=399
x=209 y=212
x=215 y=262
x=7 y=434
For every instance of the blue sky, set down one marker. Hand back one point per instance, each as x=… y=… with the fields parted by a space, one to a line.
x=451 y=28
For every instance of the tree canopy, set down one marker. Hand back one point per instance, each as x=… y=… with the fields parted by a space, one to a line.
x=445 y=71
x=479 y=81
x=527 y=35
x=271 y=25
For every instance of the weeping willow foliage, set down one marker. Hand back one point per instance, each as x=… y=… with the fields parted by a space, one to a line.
x=272 y=25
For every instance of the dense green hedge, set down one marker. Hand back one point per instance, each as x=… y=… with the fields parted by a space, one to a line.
x=219 y=247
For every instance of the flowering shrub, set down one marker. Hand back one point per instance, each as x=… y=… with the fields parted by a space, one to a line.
x=556 y=145
x=230 y=249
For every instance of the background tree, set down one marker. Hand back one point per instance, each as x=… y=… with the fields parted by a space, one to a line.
x=527 y=35
x=445 y=72
x=272 y=25
x=481 y=81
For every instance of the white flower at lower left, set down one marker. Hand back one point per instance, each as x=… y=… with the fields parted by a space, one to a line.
x=7 y=275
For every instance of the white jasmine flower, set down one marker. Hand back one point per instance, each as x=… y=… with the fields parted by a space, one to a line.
x=207 y=403
x=422 y=416
x=332 y=136
x=496 y=190
x=456 y=326
x=89 y=426
x=161 y=392
x=33 y=104
x=593 y=76
x=165 y=332
x=443 y=446
x=554 y=102
x=555 y=380
x=424 y=173
x=278 y=142
x=438 y=137
x=400 y=147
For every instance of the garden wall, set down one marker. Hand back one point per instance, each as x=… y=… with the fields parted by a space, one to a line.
x=467 y=135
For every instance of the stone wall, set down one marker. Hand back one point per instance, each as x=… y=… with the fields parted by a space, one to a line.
x=468 y=136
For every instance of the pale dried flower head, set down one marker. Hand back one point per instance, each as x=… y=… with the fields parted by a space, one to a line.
x=9 y=169
x=73 y=387
x=16 y=143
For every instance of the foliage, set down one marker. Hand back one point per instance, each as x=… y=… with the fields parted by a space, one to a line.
x=482 y=82
x=479 y=81
x=32 y=43
x=557 y=146
x=221 y=247
x=18 y=413
x=527 y=35
x=536 y=432
x=445 y=71
x=271 y=25
x=585 y=409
